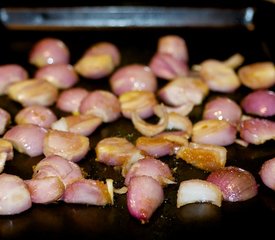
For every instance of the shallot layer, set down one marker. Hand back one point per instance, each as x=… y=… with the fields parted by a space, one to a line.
x=6 y=152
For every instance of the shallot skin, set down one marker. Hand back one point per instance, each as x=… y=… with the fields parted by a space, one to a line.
x=144 y=196
x=267 y=173
x=259 y=103
x=49 y=51
x=133 y=77
x=236 y=184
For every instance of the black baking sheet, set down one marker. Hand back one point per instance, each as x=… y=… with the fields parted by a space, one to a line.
x=256 y=216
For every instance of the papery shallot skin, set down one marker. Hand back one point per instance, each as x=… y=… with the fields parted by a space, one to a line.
x=144 y=196
x=236 y=184
x=198 y=191
x=141 y=101
x=266 y=173
x=33 y=92
x=219 y=77
x=62 y=76
x=5 y=120
x=87 y=191
x=57 y=166
x=152 y=167
x=49 y=51
x=71 y=146
x=259 y=75
x=27 y=138
x=37 y=115
x=101 y=103
x=70 y=99
x=11 y=73
x=14 y=195
x=214 y=131
x=105 y=48
x=223 y=108
x=133 y=77
x=259 y=103
x=257 y=130
x=45 y=190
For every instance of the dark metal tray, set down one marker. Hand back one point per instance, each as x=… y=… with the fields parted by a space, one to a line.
x=210 y=32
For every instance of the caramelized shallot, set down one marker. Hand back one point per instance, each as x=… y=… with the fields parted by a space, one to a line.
x=235 y=183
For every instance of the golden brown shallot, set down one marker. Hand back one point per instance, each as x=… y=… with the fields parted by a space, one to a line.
x=223 y=108
x=141 y=101
x=218 y=76
x=207 y=157
x=259 y=103
x=14 y=195
x=198 y=191
x=62 y=76
x=144 y=196
x=27 y=138
x=71 y=146
x=259 y=75
x=81 y=124
x=133 y=77
x=148 y=129
x=236 y=184
x=11 y=73
x=49 y=51
x=33 y=92
x=101 y=103
x=36 y=114
x=266 y=173
x=214 y=131
x=70 y=99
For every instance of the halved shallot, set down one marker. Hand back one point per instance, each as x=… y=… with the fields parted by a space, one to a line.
x=9 y=74
x=198 y=191
x=259 y=103
x=27 y=138
x=257 y=130
x=259 y=75
x=207 y=157
x=88 y=191
x=141 y=101
x=36 y=114
x=236 y=184
x=133 y=77
x=33 y=92
x=266 y=173
x=214 y=131
x=71 y=146
x=15 y=197
x=5 y=120
x=152 y=167
x=6 y=152
x=148 y=129
x=101 y=103
x=144 y=196
x=49 y=51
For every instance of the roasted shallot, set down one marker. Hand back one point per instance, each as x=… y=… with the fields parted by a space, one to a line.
x=5 y=120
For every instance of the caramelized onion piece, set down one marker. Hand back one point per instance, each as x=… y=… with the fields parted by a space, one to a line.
x=49 y=51
x=15 y=197
x=144 y=196
x=198 y=191
x=148 y=129
x=259 y=103
x=207 y=157
x=214 y=131
x=9 y=74
x=71 y=146
x=235 y=183
x=37 y=115
x=133 y=77
x=259 y=75
x=141 y=101
x=33 y=92
x=267 y=173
